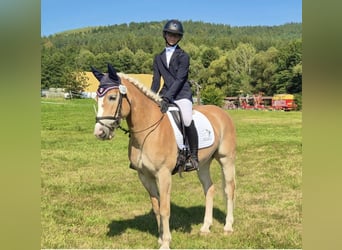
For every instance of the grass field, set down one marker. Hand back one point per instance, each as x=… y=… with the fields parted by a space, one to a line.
x=91 y=199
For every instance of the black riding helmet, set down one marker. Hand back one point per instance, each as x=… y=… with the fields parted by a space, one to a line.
x=173 y=26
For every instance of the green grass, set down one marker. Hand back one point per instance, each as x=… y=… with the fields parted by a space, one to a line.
x=91 y=199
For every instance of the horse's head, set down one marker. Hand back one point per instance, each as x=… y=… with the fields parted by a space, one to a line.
x=109 y=98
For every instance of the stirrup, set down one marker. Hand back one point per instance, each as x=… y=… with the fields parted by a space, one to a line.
x=191 y=165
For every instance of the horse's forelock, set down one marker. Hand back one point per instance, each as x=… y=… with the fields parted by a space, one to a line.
x=149 y=93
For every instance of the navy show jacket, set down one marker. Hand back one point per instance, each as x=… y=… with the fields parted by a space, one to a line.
x=176 y=85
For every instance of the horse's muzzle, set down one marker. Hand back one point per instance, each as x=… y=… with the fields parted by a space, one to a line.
x=103 y=132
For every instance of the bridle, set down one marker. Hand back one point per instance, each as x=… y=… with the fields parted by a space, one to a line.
x=117 y=117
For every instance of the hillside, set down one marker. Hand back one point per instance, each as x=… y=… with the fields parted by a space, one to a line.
x=247 y=59
x=147 y=36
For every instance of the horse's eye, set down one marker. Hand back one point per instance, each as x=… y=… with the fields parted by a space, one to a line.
x=112 y=97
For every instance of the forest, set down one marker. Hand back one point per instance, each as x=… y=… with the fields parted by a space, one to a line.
x=224 y=59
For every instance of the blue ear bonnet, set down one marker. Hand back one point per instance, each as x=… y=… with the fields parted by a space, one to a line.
x=106 y=84
x=108 y=81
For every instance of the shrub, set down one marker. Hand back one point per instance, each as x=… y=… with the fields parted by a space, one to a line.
x=212 y=95
x=298 y=101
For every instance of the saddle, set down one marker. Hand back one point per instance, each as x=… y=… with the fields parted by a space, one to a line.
x=204 y=130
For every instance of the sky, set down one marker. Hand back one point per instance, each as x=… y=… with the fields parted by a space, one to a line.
x=62 y=15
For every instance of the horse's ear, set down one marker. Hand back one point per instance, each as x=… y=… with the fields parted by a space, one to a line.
x=97 y=73
x=112 y=74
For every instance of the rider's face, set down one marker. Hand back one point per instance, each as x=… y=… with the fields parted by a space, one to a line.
x=172 y=38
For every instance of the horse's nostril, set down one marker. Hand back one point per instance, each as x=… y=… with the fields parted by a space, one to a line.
x=102 y=132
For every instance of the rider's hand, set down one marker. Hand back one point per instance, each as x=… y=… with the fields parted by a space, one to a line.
x=164 y=105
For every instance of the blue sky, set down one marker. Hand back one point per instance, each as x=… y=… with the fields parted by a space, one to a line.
x=62 y=15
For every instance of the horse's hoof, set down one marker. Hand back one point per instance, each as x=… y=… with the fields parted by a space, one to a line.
x=164 y=246
x=204 y=230
x=204 y=233
x=228 y=232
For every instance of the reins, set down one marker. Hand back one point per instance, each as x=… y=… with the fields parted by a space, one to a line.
x=154 y=124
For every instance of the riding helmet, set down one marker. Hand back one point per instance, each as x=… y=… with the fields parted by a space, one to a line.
x=173 y=26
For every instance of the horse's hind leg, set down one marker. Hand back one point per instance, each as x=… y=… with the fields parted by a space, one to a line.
x=228 y=182
x=209 y=192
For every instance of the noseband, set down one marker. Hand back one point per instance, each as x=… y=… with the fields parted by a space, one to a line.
x=117 y=117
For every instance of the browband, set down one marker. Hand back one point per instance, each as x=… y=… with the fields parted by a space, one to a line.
x=101 y=91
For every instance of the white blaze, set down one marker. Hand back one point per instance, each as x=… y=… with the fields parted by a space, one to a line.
x=100 y=106
x=98 y=127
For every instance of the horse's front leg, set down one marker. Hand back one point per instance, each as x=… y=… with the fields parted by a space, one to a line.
x=150 y=184
x=164 y=182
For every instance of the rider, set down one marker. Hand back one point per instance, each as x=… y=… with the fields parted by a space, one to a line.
x=173 y=65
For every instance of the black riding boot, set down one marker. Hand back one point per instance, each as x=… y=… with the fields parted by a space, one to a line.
x=192 y=136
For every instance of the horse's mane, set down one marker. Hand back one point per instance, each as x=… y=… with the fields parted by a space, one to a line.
x=149 y=93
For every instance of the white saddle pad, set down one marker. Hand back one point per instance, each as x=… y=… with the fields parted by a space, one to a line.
x=204 y=129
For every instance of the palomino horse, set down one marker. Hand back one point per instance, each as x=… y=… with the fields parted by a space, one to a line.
x=153 y=152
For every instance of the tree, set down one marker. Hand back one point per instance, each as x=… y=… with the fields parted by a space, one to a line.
x=288 y=76
x=264 y=66
x=56 y=73
x=85 y=59
x=239 y=63
x=193 y=50
x=196 y=67
x=101 y=61
x=219 y=74
x=53 y=70
x=125 y=59
x=142 y=63
x=241 y=58
x=209 y=55
x=212 y=95
x=75 y=82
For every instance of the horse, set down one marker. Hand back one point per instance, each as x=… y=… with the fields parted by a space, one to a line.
x=152 y=150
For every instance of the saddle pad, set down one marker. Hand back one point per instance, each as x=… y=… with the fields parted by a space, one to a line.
x=204 y=129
